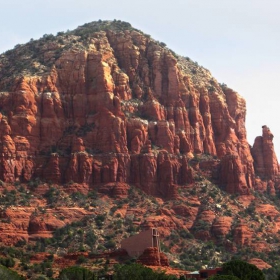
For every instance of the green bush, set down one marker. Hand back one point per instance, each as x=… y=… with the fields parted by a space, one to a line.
x=81 y=259
x=90 y=238
x=99 y=220
x=8 y=262
x=242 y=270
x=7 y=274
x=76 y=273
x=224 y=277
x=139 y=272
x=49 y=272
x=110 y=244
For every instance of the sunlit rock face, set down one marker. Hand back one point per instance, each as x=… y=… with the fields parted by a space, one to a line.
x=105 y=103
x=266 y=163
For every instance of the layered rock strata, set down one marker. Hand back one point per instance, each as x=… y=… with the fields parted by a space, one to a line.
x=152 y=257
x=110 y=104
x=266 y=163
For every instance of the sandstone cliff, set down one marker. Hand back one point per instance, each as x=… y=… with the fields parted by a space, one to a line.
x=266 y=163
x=106 y=103
x=107 y=108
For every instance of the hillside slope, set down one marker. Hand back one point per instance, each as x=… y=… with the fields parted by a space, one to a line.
x=105 y=123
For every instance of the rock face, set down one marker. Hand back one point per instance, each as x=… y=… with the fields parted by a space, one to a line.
x=243 y=235
x=266 y=163
x=105 y=103
x=260 y=264
x=106 y=108
x=25 y=223
x=151 y=256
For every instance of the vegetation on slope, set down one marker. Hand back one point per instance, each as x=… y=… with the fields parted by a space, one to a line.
x=187 y=237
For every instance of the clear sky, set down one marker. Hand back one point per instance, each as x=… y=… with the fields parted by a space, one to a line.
x=237 y=40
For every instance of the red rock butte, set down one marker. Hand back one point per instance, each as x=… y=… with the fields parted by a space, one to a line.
x=106 y=103
x=107 y=108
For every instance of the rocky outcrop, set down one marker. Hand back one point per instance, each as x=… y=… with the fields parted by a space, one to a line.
x=221 y=227
x=118 y=107
x=106 y=108
x=242 y=235
x=259 y=263
x=152 y=257
x=265 y=160
x=115 y=190
x=232 y=178
x=237 y=171
x=27 y=223
x=165 y=223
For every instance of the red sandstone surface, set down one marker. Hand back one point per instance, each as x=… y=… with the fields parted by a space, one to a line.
x=158 y=262
x=27 y=223
x=152 y=257
x=118 y=111
x=259 y=263
x=95 y=117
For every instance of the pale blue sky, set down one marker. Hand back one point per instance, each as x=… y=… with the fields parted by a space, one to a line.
x=237 y=40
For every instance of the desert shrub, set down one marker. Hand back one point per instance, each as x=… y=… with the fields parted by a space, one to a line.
x=34 y=183
x=7 y=274
x=223 y=277
x=139 y=272
x=242 y=270
x=90 y=238
x=76 y=273
x=92 y=194
x=81 y=259
x=8 y=262
x=110 y=244
x=99 y=220
x=49 y=272
x=185 y=234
